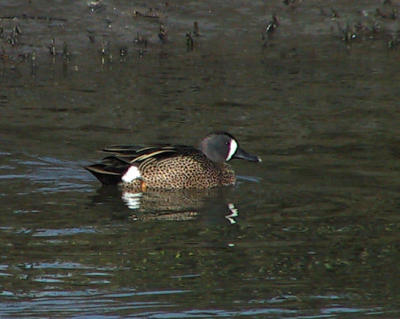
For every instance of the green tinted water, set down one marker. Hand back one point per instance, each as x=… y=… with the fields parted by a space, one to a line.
x=312 y=231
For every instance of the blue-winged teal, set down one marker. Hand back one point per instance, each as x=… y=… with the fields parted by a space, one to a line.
x=172 y=166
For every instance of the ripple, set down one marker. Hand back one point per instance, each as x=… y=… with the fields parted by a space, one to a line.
x=56 y=265
x=56 y=175
x=86 y=303
x=63 y=232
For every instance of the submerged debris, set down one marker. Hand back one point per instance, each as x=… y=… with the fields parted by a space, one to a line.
x=391 y=15
x=196 y=32
x=140 y=40
x=27 y=17
x=272 y=25
x=14 y=37
x=17 y=30
x=33 y=63
x=150 y=13
x=66 y=54
x=96 y=6
x=189 y=42
x=105 y=52
x=3 y=55
x=91 y=36
x=12 y=40
x=163 y=34
x=269 y=29
x=347 y=33
x=123 y=52
x=359 y=31
x=105 y=48
x=52 y=47
x=291 y=3
x=334 y=13
x=141 y=53
x=394 y=41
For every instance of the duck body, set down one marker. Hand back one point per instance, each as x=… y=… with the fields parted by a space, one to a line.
x=172 y=166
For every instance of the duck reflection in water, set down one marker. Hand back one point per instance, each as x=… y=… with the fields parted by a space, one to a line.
x=209 y=205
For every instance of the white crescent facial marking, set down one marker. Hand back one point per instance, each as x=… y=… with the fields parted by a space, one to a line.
x=131 y=174
x=232 y=149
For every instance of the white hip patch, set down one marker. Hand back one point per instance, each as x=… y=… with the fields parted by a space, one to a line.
x=131 y=174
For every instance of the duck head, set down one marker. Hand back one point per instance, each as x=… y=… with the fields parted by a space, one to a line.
x=221 y=147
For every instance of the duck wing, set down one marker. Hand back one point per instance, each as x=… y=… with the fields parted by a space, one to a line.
x=111 y=169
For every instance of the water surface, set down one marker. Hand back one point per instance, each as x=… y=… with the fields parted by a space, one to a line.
x=312 y=231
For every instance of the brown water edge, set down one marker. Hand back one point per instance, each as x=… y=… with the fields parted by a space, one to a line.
x=316 y=231
x=112 y=32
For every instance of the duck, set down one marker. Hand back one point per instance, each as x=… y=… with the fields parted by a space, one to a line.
x=168 y=166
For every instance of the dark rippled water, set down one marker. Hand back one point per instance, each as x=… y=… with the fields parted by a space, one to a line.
x=311 y=232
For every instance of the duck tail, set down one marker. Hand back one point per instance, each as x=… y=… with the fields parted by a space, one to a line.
x=106 y=177
x=109 y=171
